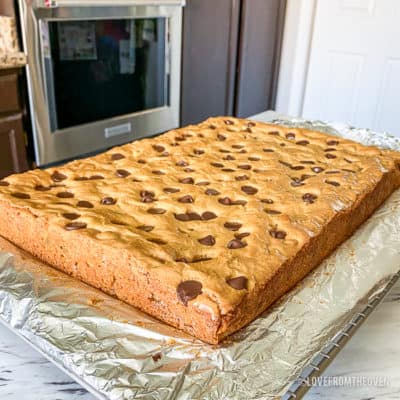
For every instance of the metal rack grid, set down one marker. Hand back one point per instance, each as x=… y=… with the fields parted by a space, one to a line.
x=322 y=360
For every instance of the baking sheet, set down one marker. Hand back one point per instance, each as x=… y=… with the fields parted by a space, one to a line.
x=121 y=353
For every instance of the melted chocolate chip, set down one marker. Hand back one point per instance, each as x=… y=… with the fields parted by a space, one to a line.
x=171 y=190
x=296 y=182
x=217 y=165
x=146 y=228
x=348 y=170
x=226 y=201
x=4 y=183
x=221 y=137
x=71 y=216
x=228 y=170
x=272 y=212
x=332 y=172
x=267 y=201
x=332 y=142
x=158 y=148
x=268 y=150
x=236 y=244
x=141 y=161
x=290 y=136
x=307 y=162
x=242 y=235
x=303 y=142
x=348 y=161
x=309 y=198
x=41 y=188
x=203 y=183
x=251 y=124
x=108 y=201
x=84 y=204
x=189 y=181
x=182 y=163
x=212 y=192
x=333 y=183
x=238 y=283
x=190 y=216
x=96 y=177
x=330 y=156
x=244 y=166
x=157 y=172
x=156 y=211
x=122 y=173
x=58 y=177
x=277 y=234
x=207 y=215
x=273 y=133
x=198 y=151
x=286 y=164
x=317 y=170
x=254 y=158
x=237 y=146
x=229 y=158
x=297 y=167
x=224 y=151
x=73 y=226
x=188 y=290
x=65 y=195
x=81 y=178
x=228 y=122
x=117 y=156
x=329 y=149
x=232 y=226
x=208 y=240
x=186 y=199
x=249 y=190
x=241 y=178
x=20 y=195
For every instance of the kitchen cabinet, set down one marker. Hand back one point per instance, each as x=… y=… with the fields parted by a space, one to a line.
x=230 y=57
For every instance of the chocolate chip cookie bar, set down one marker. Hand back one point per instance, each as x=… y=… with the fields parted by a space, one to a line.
x=203 y=227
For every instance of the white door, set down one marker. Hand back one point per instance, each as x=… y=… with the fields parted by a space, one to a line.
x=354 y=67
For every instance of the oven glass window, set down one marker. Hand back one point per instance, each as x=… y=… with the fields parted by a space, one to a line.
x=105 y=68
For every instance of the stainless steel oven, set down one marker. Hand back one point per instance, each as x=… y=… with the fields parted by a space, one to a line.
x=100 y=72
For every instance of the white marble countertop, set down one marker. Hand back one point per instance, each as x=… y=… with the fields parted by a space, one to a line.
x=371 y=359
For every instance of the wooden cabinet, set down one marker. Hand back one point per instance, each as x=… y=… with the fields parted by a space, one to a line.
x=231 y=51
x=12 y=145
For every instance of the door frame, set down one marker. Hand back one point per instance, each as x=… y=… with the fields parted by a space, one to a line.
x=295 y=57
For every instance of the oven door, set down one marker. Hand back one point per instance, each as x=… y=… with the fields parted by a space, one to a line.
x=100 y=73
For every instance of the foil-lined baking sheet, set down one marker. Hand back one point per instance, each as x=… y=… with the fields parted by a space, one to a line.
x=118 y=352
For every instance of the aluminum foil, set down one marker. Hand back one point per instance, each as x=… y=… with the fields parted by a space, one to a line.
x=120 y=353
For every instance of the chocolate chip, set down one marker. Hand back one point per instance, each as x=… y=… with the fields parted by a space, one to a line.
x=272 y=212
x=273 y=133
x=171 y=190
x=158 y=148
x=4 y=183
x=71 y=216
x=332 y=172
x=141 y=161
x=236 y=244
x=332 y=142
x=146 y=228
x=217 y=165
x=182 y=163
x=251 y=124
x=156 y=357
x=241 y=178
x=296 y=182
x=307 y=162
x=224 y=151
x=212 y=126
x=249 y=190
x=165 y=154
x=198 y=151
x=212 y=192
x=208 y=240
x=186 y=199
x=180 y=138
x=207 y=215
x=238 y=283
x=96 y=177
x=242 y=235
x=41 y=188
x=286 y=164
x=202 y=183
x=348 y=161
x=189 y=181
x=330 y=156
x=232 y=226
x=227 y=170
x=65 y=195
x=122 y=173
x=267 y=201
x=333 y=183
x=156 y=211
x=84 y=204
x=157 y=241
x=309 y=198
x=226 y=201
x=228 y=122
x=290 y=136
x=237 y=146
x=182 y=217
x=277 y=234
x=147 y=196
x=188 y=290
x=73 y=226
x=228 y=158
x=113 y=221
x=329 y=149
x=193 y=216
x=108 y=201
x=157 y=172
x=81 y=178
x=303 y=142
x=58 y=177
x=268 y=150
x=254 y=159
x=317 y=170
x=348 y=170
x=297 y=167
x=244 y=166
x=221 y=137
x=117 y=156
x=20 y=195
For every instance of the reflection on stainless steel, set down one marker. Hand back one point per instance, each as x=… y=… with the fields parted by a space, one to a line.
x=120 y=353
x=60 y=144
